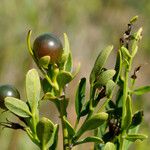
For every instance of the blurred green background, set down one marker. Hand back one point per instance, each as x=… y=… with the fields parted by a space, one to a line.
x=91 y=25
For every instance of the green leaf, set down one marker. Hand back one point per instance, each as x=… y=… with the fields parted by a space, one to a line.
x=125 y=53
x=29 y=43
x=92 y=123
x=136 y=119
x=44 y=129
x=127 y=143
x=95 y=121
x=111 y=105
x=134 y=44
x=86 y=109
x=66 y=59
x=105 y=76
x=54 y=139
x=80 y=96
x=71 y=131
x=49 y=96
x=44 y=61
x=89 y=139
x=45 y=85
x=118 y=66
x=134 y=137
x=100 y=62
x=141 y=90
x=119 y=97
x=67 y=45
x=135 y=18
x=63 y=78
x=128 y=117
x=33 y=89
x=17 y=107
x=68 y=65
x=109 y=87
x=109 y=146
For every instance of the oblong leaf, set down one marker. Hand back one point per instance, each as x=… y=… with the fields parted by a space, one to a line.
x=95 y=121
x=67 y=45
x=105 y=76
x=71 y=131
x=118 y=66
x=134 y=137
x=136 y=119
x=68 y=65
x=63 y=78
x=44 y=129
x=54 y=139
x=125 y=52
x=133 y=19
x=109 y=146
x=100 y=62
x=92 y=123
x=33 y=88
x=141 y=90
x=29 y=43
x=128 y=117
x=44 y=61
x=80 y=96
x=17 y=107
x=134 y=44
x=90 y=139
x=109 y=87
x=66 y=60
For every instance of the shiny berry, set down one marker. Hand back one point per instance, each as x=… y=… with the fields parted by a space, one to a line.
x=48 y=45
x=7 y=91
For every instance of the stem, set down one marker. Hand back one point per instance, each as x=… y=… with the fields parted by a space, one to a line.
x=76 y=124
x=125 y=94
x=43 y=147
x=64 y=129
x=29 y=133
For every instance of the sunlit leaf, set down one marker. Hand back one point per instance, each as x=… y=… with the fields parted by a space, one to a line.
x=109 y=146
x=63 y=78
x=134 y=137
x=105 y=76
x=109 y=87
x=17 y=107
x=52 y=145
x=100 y=62
x=128 y=117
x=44 y=61
x=92 y=123
x=67 y=52
x=71 y=131
x=33 y=88
x=142 y=90
x=44 y=129
x=90 y=139
x=125 y=52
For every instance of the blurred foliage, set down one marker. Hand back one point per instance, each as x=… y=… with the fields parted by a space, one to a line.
x=90 y=25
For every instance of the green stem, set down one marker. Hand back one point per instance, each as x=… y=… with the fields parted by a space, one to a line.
x=43 y=147
x=76 y=124
x=125 y=94
x=64 y=129
x=29 y=133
